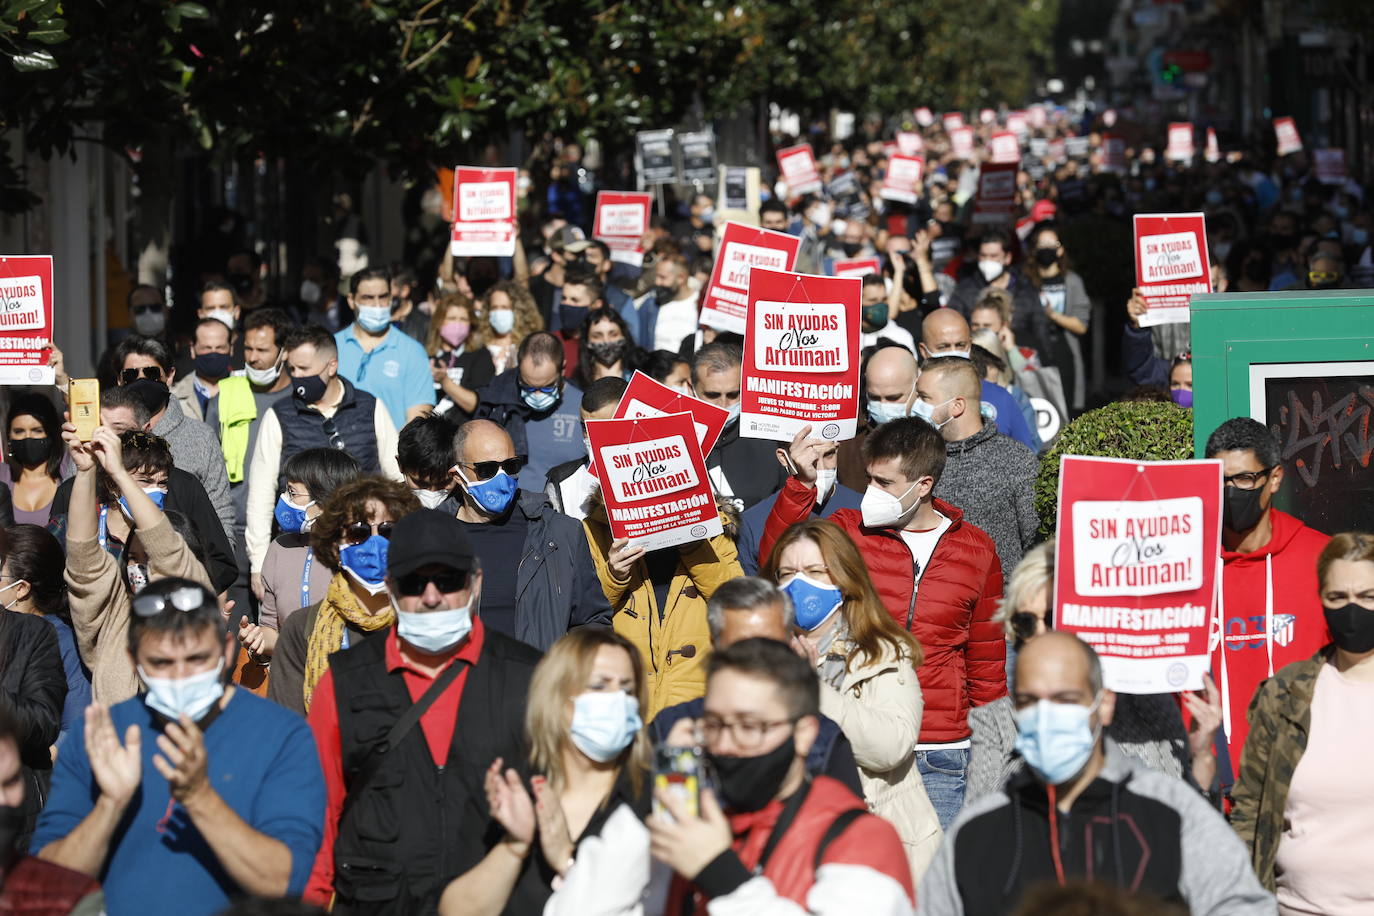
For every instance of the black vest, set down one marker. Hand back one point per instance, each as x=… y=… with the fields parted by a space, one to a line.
x=303 y=428
x=415 y=826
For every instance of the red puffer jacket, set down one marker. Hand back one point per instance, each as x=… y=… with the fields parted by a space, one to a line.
x=950 y=614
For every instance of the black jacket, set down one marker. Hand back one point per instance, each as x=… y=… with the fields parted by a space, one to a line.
x=380 y=868
x=33 y=687
x=1028 y=321
x=750 y=465
x=185 y=494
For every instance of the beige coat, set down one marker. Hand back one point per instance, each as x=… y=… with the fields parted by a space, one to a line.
x=878 y=707
x=100 y=604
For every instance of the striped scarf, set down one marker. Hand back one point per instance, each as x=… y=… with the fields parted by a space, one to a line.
x=339 y=607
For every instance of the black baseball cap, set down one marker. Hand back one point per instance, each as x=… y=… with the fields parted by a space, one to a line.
x=428 y=537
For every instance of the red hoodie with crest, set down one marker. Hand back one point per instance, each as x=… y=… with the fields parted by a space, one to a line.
x=1271 y=614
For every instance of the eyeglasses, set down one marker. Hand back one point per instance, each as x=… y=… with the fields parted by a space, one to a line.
x=1248 y=480
x=746 y=734
x=184 y=599
x=1024 y=624
x=145 y=309
x=129 y=376
x=332 y=432
x=487 y=469
x=448 y=581
x=357 y=532
x=545 y=389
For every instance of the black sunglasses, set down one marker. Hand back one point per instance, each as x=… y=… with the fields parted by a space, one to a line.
x=184 y=599
x=487 y=469
x=145 y=309
x=129 y=376
x=448 y=581
x=1024 y=624
x=357 y=532
x=332 y=431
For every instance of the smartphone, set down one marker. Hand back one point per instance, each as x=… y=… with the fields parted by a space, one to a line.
x=83 y=402
x=681 y=772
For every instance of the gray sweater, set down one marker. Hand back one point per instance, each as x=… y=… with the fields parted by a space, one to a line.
x=992 y=478
x=196 y=451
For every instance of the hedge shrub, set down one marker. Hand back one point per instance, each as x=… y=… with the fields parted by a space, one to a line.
x=1141 y=430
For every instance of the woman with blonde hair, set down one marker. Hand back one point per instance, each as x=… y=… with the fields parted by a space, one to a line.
x=350 y=538
x=509 y=315
x=458 y=372
x=585 y=726
x=867 y=666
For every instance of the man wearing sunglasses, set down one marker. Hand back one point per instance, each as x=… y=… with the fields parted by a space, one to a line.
x=145 y=367
x=194 y=791
x=537 y=406
x=540 y=579
x=1273 y=615
x=464 y=684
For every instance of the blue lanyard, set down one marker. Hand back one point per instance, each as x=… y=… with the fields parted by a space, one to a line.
x=305 y=578
x=103 y=535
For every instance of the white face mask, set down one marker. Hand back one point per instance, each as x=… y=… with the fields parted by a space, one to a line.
x=310 y=292
x=820 y=215
x=881 y=509
x=222 y=315
x=263 y=377
x=431 y=499
x=990 y=270
x=962 y=354
x=825 y=482
x=927 y=412
x=7 y=588
x=150 y=324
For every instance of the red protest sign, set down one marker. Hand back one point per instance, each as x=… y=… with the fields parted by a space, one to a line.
x=952 y=121
x=645 y=397
x=856 y=267
x=961 y=142
x=1329 y=165
x=25 y=319
x=801 y=356
x=924 y=116
x=1213 y=150
x=1286 y=135
x=996 y=193
x=653 y=480
x=909 y=143
x=903 y=179
x=622 y=218
x=483 y=212
x=1018 y=123
x=1171 y=264
x=742 y=248
x=1005 y=147
x=1039 y=117
x=798 y=167
x=1135 y=567
x=1180 y=141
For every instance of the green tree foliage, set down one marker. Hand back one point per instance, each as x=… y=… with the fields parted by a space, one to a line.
x=1142 y=430
x=339 y=84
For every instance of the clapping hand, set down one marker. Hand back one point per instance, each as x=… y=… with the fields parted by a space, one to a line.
x=554 y=837
x=117 y=768
x=183 y=760
x=510 y=806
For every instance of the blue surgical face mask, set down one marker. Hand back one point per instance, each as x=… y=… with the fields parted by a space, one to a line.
x=502 y=320
x=290 y=517
x=880 y=412
x=156 y=494
x=435 y=631
x=374 y=318
x=494 y=496
x=539 y=400
x=192 y=695
x=813 y=601
x=733 y=412
x=366 y=562
x=1056 y=739
x=927 y=412
x=1359 y=236
x=604 y=723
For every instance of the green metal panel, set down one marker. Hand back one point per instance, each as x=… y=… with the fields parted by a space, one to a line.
x=1231 y=331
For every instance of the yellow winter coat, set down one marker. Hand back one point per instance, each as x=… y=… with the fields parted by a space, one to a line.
x=673 y=642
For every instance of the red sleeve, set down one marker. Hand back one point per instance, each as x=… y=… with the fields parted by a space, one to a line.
x=985 y=657
x=324 y=723
x=793 y=505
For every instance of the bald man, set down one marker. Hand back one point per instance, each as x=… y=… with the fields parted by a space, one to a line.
x=995 y=260
x=538 y=581
x=988 y=475
x=1115 y=819
x=889 y=378
x=946 y=333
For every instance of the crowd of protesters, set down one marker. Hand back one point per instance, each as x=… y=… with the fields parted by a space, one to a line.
x=327 y=612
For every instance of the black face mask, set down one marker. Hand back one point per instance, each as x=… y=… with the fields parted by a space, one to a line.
x=11 y=825
x=1045 y=257
x=1255 y=271
x=750 y=783
x=154 y=394
x=852 y=248
x=664 y=294
x=1352 y=627
x=572 y=315
x=213 y=366
x=29 y=452
x=606 y=352
x=1241 y=509
x=308 y=389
